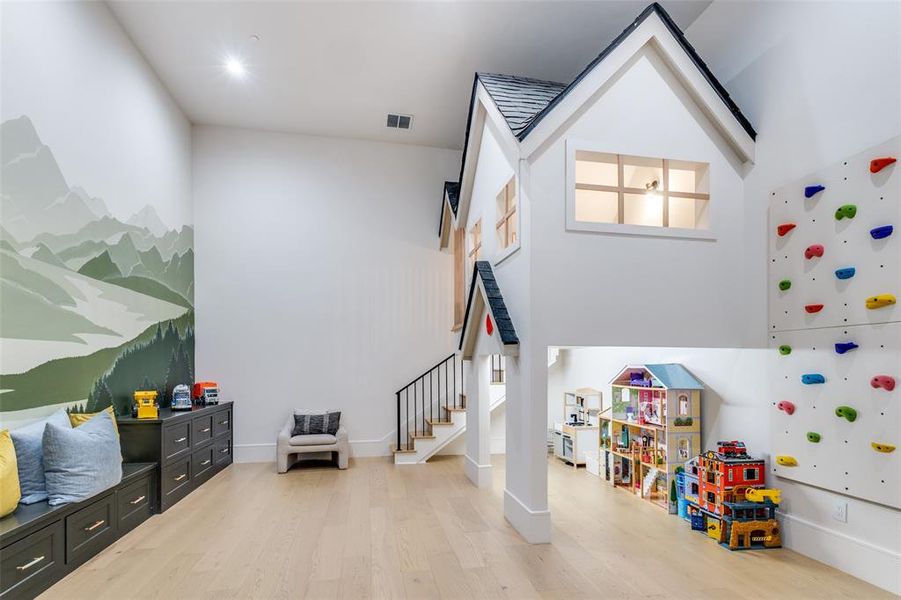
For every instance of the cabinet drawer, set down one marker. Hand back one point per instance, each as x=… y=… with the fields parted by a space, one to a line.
x=135 y=504
x=202 y=461
x=222 y=450
x=90 y=529
x=176 y=482
x=222 y=422
x=32 y=564
x=203 y=429
x=176 y=440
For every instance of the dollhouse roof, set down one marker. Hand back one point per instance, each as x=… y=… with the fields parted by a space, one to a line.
x=519 y=99
x=671 y=376
x=484 y=290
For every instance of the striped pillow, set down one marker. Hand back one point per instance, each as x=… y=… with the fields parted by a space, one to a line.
x=316 y=423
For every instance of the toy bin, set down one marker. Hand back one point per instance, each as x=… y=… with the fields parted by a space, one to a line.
x=592 y=462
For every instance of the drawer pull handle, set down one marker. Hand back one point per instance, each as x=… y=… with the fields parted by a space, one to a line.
x=223 y=451
x=28 y=565
x=95 y=525
x=206 y=462
x=181 y=439
x=225 y=422
x=204 y=430
x=138 y=499
x=180 y=477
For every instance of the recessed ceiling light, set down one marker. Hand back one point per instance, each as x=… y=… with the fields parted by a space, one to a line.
x=235 y=67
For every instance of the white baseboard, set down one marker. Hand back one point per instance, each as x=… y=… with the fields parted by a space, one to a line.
x=533 y=525
x=254 y=453
x=874 y=564
x=480 y=475
x=381 y=447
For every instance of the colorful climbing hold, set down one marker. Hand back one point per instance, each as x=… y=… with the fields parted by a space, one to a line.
x=880 y=301
x=813 y=437
x=881 y=232
x=845 y=273
x=781 y=230
x=877 y=164
x=845 y=211
x=815 y=250
x=786 y=407
x=886 y=382
x=811 y=190
x=842 y=347
x=785 y=284
x=884 y=448
x=785 y=349
x=787 y=461
x=846 y=412
x=812 y=378
x=813 y=308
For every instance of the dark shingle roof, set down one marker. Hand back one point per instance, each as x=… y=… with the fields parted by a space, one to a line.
x=452 y=189
x=519 y=99
x=502 y=322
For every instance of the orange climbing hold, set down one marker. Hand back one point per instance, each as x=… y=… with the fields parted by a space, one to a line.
x=877 y=164
x=781 y=230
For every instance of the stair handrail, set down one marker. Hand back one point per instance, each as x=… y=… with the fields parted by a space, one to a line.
x=419 y=383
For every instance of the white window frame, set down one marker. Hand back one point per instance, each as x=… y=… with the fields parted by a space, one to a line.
x=501 y=254
x=572 y=146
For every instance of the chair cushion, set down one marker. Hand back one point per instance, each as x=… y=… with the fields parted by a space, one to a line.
x=316 y=439
x=306 y=423
x=78 y=419
x=81 y=462
x=29 y=443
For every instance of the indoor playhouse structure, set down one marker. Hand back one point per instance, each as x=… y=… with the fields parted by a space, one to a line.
x=653 y=427
x=835 y=331
x=723 y=493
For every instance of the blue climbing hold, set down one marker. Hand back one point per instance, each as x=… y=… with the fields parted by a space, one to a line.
x=845 y=273
x=811 y=378
x=879 y=233
x=842 y=347
x=811 y=190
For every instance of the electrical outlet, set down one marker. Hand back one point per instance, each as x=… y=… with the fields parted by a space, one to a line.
x=840 y=511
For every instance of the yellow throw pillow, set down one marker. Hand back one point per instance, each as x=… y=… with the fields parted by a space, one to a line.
x=9 y=475
x=77 y=419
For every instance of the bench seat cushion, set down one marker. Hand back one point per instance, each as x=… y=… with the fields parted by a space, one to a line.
x=316 y=439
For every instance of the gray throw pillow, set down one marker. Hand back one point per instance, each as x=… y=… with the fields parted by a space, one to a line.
x=29 y=444
x=81 y=462
x=316 y=423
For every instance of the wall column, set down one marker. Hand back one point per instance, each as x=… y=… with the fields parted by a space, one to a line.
x=478 y=420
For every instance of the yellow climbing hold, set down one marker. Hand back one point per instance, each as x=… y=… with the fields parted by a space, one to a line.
x=787 y=461
x=880 y=300
x=886 y=448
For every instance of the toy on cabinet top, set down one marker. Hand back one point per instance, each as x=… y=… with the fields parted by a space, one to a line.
x=206 y=392
x=145 y=406
x=181 y=398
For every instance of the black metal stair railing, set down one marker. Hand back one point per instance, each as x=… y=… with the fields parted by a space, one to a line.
x=423 y=399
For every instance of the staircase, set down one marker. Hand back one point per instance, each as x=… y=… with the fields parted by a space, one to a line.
x=431 y=409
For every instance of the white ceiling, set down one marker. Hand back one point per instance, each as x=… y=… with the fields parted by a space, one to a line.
x=337 y=68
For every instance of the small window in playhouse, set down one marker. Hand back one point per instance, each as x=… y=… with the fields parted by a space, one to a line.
x=683 y=405
x=750 y=474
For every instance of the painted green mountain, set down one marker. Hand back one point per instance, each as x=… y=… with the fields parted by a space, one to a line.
x=101 y=229
x=101 y=267
x=150 y=287
x=14 y=273
x=29 y=316
x=45 y=254
x=9 y=239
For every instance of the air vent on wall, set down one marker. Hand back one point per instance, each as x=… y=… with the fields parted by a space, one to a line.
x=400 y=121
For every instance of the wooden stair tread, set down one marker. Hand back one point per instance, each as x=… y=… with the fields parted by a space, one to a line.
x=452 y=409
x=402 y=450
x=434 y=422
x=422 y=436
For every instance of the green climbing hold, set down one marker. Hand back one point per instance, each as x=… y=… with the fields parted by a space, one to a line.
x=813 y=437
x=785 y=284
x=845 y=211
x=785 y=350
x=846 y=412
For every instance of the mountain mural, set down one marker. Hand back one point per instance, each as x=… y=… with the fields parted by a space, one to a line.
x=95 y=304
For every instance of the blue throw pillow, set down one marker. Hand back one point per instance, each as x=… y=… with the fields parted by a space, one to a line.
x=28 y=442
x=81 y=462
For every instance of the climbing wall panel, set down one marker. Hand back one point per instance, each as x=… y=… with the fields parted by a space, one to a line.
x=842 y=342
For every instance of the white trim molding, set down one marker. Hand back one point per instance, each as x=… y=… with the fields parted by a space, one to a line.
x=479 y=475
x=533 y=525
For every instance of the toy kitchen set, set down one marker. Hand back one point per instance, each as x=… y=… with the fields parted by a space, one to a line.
x=579 y=432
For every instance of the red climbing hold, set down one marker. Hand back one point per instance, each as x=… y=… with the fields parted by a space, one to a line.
x=877 y=164
x=813 y=308
x=781 y=230
x=787 y=407
x=815 y=250
x=886 y=382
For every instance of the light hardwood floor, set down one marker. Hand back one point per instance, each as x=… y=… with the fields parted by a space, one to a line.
x=380 y=531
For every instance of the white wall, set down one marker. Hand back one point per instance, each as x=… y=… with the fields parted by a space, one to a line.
x=319 y=279
x=497 y=431
x=819 y=82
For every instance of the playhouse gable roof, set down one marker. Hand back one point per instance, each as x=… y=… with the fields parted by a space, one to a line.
x=520 y=100
x=484 y=292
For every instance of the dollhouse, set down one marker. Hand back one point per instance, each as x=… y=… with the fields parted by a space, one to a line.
x=654 y=426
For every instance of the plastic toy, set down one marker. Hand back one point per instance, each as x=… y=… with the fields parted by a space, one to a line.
x=812 y=190
x=845 y=273
x=886 y=382
x=877 y=164
x=813 y=437
x=843 y=347
x=846 y=412
x=882 y=232
x=786 y=407
x=785 y=284
x=785 y=349
x=787 y=461
x=812 y=378
x=206 y=392
x=784 y=228
x=181 y=398
x=814 y=250
x=763 y=494
x=846 y=211
x=880 y=301
x=884 y=448
x=145 y=400
x=813 y=308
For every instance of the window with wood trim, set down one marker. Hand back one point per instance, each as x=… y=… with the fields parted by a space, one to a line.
x=506 y=215
x=636 y=190
x=475 y=242
x=459 y=277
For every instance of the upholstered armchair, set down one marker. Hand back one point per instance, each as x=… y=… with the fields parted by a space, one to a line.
x=290 y=447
